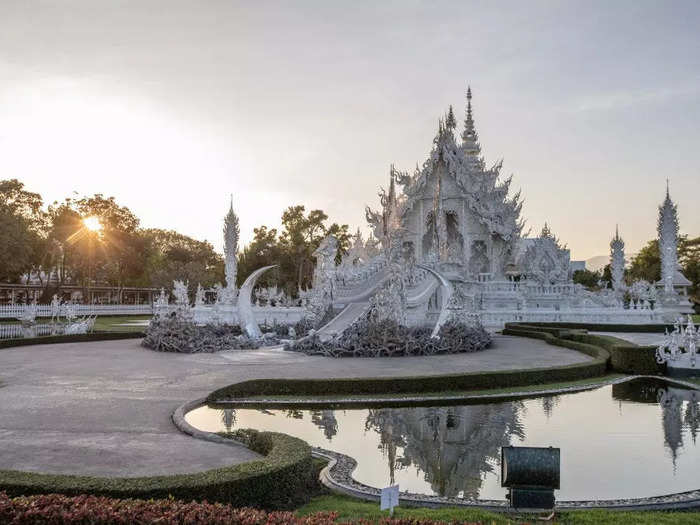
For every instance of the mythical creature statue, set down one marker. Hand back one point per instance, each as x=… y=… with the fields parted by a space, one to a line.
x=321 y=298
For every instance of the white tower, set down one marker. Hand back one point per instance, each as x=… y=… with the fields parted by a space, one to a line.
x=668 y=241
x=617 y=261
x=231 y=233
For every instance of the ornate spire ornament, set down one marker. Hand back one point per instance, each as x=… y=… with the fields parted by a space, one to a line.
x=470 y=139
x=231 y=234
x=668 y=241
x=617 y=261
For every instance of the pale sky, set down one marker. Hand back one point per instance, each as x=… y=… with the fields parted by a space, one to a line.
x=170 y=106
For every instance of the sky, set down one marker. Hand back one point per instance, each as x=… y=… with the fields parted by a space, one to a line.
x=173 y=106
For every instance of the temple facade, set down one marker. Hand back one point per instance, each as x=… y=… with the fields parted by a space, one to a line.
x=455 y=213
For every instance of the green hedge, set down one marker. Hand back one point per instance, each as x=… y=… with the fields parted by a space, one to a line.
x=283 y=479
x=74 y=338
x=624 y=356
x=606 y=327
x=421 y=384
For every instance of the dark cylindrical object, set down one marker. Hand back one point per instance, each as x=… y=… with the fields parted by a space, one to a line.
x=530 y=467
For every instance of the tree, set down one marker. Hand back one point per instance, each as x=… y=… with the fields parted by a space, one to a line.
x=587 y=278
x=292 y=250
x=646 y=264
x=22 y=229
x=172 y=256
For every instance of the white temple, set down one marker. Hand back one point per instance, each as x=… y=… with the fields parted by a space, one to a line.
x=448 y=243
x=455 y=216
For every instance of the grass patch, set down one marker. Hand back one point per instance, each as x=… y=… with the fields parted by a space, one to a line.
x=112 y=323
x=354 y=509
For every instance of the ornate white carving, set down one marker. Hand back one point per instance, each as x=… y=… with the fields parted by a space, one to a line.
x=231 y=234
x=321 y=297
x=617 y=262
x=668 y=242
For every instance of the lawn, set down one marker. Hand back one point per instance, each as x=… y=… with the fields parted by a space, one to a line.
x=353 y=509
x=120 y=323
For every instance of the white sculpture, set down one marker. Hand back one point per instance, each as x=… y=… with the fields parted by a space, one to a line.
x=680 y=347
x=321 y=297
x=668 y=242
x=199 y=296
x=231 y=234
x=617 y=262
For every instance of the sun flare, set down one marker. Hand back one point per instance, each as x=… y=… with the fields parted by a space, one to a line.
x=92 y=223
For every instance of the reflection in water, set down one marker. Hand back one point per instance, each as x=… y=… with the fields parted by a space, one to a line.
x=611 y=439
x=548 y=404
x=671 y=400
x=454 y=446
x=326 y=421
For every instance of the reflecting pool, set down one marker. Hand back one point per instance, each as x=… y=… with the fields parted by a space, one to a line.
x=634 y=439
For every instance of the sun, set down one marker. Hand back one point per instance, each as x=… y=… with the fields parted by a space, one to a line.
x=92 y=223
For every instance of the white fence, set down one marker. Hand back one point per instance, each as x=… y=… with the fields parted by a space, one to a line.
x=15 y=311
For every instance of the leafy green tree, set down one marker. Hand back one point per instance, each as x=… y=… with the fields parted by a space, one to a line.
x=172 y=256
x=587 y=278
x=22 y=229
x=646 y=264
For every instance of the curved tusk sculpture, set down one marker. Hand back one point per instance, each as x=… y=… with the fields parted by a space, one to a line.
x=447 y=291
x=245 y=311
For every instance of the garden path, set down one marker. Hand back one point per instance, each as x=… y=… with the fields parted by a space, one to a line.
x=105 y=408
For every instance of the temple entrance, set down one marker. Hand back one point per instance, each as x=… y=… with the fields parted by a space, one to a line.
x=479 y=261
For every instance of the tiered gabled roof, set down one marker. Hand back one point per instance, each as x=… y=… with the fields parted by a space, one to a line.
x=486 y=194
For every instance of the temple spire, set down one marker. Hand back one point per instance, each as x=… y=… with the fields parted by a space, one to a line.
x=667 y=227
x=617 y=261
x=470 y=139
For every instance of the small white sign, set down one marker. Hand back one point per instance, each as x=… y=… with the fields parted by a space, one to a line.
x=389 y=498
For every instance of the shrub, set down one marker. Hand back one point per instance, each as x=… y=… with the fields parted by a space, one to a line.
x=389 y=339
x=172 y=333
x=84 y=509
x=283 y=479
x=624 y=356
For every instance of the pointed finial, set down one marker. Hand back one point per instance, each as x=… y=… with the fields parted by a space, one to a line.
x=668 y=193
x=617 y=231
x=232 y=201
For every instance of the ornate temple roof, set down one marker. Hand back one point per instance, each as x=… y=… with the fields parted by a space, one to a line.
x=486 y=195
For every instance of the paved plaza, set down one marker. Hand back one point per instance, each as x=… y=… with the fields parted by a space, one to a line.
x=104 y=408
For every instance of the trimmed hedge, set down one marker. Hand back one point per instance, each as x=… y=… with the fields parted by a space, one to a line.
x=74 y=338
x=283 y=479
x=606 y=327
x=418 y=384
x=84 y=509
x=624 y=356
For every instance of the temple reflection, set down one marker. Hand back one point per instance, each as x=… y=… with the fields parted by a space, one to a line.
x=675 y=418
x=454 y=447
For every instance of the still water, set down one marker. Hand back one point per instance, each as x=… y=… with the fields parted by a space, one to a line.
x=629 y=440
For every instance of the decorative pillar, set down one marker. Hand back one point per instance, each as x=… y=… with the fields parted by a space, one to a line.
x=617 y=261
x=668 y=241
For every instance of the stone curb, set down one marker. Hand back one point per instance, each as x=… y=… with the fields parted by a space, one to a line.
x=337 y=476
x=178 y=419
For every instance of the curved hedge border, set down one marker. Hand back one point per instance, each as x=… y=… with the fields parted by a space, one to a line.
x=624 y=356
x=436 y=383
x=74 y=338
x=604 y=327
x=283 y=479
